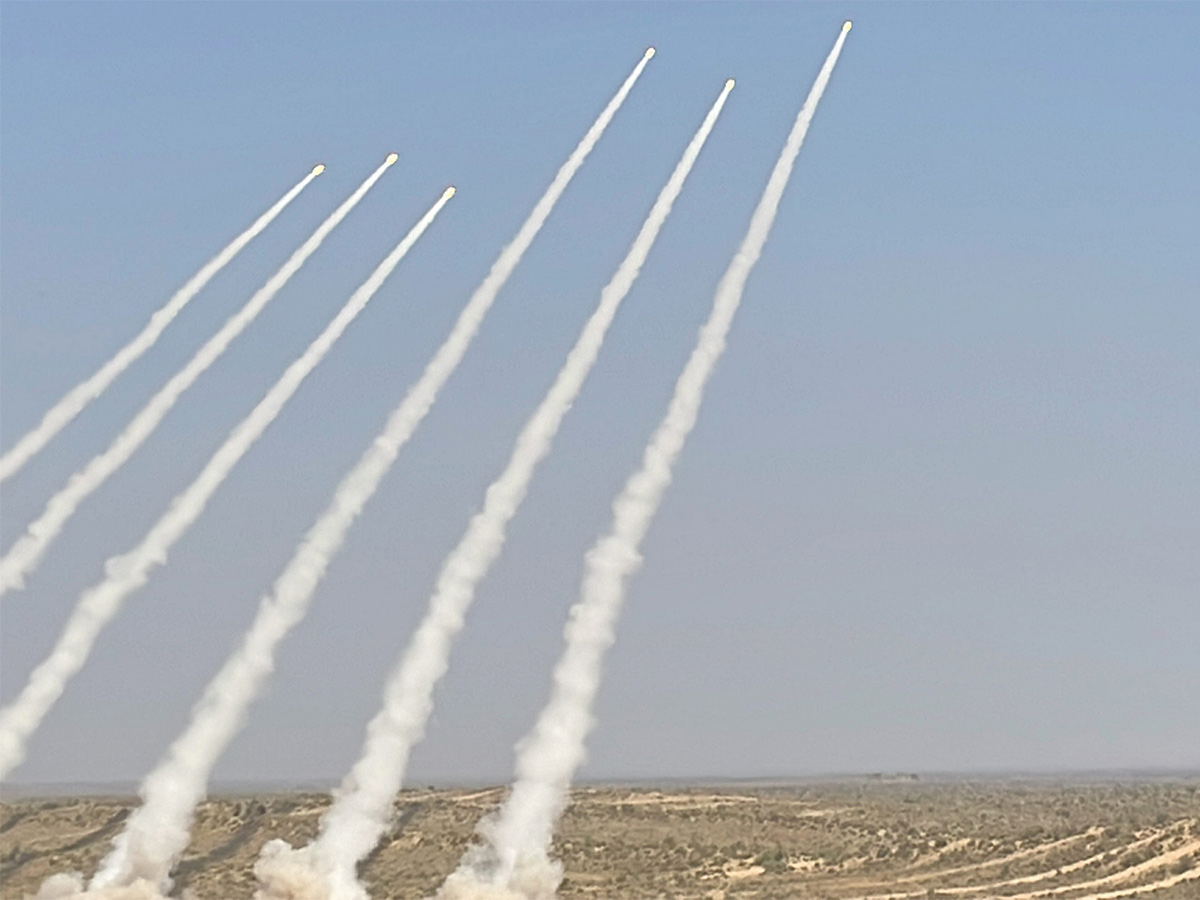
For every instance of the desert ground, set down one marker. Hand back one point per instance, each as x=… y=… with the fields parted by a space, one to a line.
x=867 y=838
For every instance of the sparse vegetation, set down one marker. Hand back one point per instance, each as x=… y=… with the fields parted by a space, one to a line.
x=812 y=841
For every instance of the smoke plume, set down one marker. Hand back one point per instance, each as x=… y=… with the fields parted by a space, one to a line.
x=158 y=831
x=359 y=816
x=282 y=871
x=73 y=402
x=514 y=858
x=28 y=550
x=128 y=572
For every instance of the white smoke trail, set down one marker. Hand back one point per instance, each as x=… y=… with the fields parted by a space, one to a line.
x=158 y=831
x=515 y=858
x=73 y=402
x=360 y=815
x=126 y=573
x=282 y=870
x=28 y=550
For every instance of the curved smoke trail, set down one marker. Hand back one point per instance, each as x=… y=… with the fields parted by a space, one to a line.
x=74 y=401
x=515 y=858
x=128 y=572
x=360 y=815
x=281 y=869
x=27 y=551
x=158 y=832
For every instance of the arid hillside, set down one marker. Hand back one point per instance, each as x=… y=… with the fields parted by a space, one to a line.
x=836 y=840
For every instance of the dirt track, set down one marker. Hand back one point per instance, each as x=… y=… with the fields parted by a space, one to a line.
x=959 y=841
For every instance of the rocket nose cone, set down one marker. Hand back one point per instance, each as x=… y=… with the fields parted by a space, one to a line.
x=449 y=192
x=318 y=168
x=846 y=25
x=391 y=158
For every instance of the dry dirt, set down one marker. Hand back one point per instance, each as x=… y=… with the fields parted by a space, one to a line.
x=953 y=840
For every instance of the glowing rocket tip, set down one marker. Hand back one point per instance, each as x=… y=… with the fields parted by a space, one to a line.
x=650 y=51
x=846 y=25
x=391 y=158
x=318 y=168
x=728 y=83
x=449 y=192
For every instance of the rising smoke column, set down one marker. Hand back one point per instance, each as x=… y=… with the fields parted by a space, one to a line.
x=73 y=402
x=126 y=573
x=159 y=830
x=360 y=815
x=28 y=550
x=515 y=857
x=283 y=871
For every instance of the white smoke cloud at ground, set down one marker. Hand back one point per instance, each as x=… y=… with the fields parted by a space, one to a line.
x=513 y=859
x=70 y=886
x=158 y=831
x=74 y=401
x=312 y=871
x=25 y=554
x=128 y=572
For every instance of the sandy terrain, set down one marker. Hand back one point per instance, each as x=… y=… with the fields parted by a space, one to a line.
x=960 y=840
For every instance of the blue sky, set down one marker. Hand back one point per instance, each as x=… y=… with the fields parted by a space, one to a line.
x=942 y=505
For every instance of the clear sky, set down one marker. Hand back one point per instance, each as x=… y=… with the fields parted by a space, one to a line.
x=942 y=508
